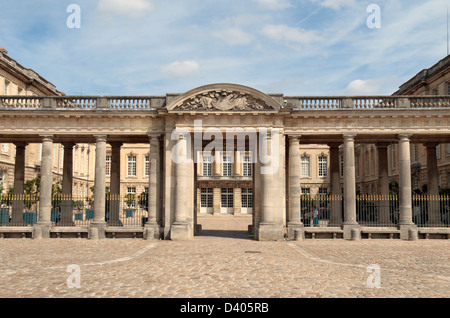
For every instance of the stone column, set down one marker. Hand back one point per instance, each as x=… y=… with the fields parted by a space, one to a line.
x=270 y=185
x=383 y=183
x=19 y=179
x=42 y=228
x=335 y=186
x=350 y=225
x=98 y=225
x=66 y=201
x=154 y=190
x=434 y=217
x=237 y=204
x=180 y=226
x=294 y=170
x=237 y=163
x=115 y=199
x=217 y=197
x=405 y=204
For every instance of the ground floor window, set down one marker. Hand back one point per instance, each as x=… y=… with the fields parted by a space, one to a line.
x=227 y=198
x=206 y=198
x=247 y=197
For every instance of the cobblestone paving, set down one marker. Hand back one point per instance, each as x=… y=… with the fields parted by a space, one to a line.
x=222 y=263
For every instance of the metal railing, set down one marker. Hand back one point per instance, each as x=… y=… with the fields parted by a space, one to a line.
x=156 y=102
x=71 y=211
x=431 y=210
x=377 y=210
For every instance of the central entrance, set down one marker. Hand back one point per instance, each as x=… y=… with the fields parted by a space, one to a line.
x=224 y=188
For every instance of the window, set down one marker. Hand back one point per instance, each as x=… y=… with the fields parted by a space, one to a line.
x=392 y=156
x=434 y=92
x=5 y=148
x=108 y=166
x=227 y=198
x=247 y=166
x=39 y=152
x=6 y=87
x=226 y=169
x=306 y=191
x=414 y=153
x=131 y=171
x=448 y=88
x=206 y=198
x=2 y=178
x=323 y=191
x=342 y=166
x=247 y=197
x=147 y=166
x=75 y=159
x=323 y=167
x=207 y=166
x=306 y=167
x=438 y=152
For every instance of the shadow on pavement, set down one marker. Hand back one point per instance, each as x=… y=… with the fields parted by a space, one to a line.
x=243 y=235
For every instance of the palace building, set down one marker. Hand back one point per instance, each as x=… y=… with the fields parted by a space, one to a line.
x=148 y=166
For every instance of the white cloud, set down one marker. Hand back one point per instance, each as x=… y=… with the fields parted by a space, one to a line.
x=364 y=87
x=274 y=4
x=289 y=34
x=181 y=69
x=335 y=4
x=234 y=36
x=129 y=8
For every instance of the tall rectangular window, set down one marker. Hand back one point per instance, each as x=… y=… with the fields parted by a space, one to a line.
x=247 y=166
x=247 y=197
x=206 y=197
x=108 y=166
x=323 y=167
x=147 y=166
x=131 y=197
x=5 y=92
x=438 y=151
x=131 y=167
x=2 y=178
x=227 y=197
x=392 y=148
x=5 y=148
x=207 y=166
x=414 y=153
x=306 y=167
x=226 y=166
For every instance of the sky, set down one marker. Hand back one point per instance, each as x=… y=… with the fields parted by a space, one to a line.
x=293 y=47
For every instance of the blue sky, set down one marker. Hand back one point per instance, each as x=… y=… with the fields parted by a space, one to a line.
x=295 y=47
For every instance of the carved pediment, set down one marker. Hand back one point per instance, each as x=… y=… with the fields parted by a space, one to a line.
x=232 y=98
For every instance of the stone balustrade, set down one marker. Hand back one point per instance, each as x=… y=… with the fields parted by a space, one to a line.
x=160 y=102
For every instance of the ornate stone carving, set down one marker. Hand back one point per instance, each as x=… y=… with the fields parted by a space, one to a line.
x=225 y=101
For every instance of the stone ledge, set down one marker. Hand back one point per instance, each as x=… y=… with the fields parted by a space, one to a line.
x=380 y=230
x=124 y=229
x=72 y=229
x=434 y=231
x=324 y=230
x=16 y=229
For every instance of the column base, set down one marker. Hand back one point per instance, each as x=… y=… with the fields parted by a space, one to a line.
x=198 y=229
x=152 y=232
x=41 y=230
x=97 y=231
x=352 y=232
x=180 y=232
x=408 y=231
x=293 y=228
x=270 y=232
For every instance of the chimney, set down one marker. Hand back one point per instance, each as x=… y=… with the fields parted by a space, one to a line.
x=3 y=50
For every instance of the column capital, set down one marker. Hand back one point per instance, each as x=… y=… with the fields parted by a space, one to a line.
x=20 y=144
x=431 y=145
x=152 y=135
x=335 y=145
x=116 y=144
x=349 y=137
x=294 y=138
x=68 y=145
x=382 y=144
x=404 y=137
x=100 y=138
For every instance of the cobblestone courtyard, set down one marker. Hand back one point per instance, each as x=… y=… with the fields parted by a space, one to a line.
x=222 y=263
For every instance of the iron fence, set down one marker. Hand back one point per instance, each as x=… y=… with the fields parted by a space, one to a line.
x=431 y=210
x=66 y=210
x=377 y=210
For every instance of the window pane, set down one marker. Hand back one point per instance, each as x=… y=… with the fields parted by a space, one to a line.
x=306 y=171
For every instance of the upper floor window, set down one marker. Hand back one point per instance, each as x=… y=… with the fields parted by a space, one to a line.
x=323 y=167
x=7 y=84
x=247 y=167
x=147 y=166
x=131 y=171
x=306 y=167
x=5 y=148
x=207 y=166
x=108 y=166
x=226 y=169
